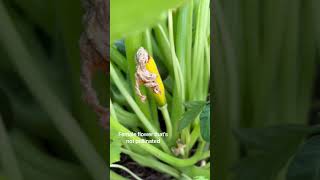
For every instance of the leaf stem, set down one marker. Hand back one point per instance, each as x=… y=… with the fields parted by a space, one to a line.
x=165 y=113
x=152 y=162
x=174 y=161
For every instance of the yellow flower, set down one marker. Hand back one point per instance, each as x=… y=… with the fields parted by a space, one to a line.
x=147 y=74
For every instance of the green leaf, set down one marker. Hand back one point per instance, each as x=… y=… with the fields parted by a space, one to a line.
x=306 y=163
x=194 y=108
x=205 y=123
x=269 y=150
x=129 y=16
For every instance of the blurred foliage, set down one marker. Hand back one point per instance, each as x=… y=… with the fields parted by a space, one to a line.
x=50 y=32
x=305 y=164
x=265 y=59
x=129 y=17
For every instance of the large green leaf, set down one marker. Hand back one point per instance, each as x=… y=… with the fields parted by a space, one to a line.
x=306 y=163
x=205 y=123
x=129 y=16
x=194 y=108
x=269 y=150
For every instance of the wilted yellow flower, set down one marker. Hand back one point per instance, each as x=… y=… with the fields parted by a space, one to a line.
x=147 y=74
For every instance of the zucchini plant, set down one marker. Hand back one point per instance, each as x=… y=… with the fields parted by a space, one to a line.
x=160 y=73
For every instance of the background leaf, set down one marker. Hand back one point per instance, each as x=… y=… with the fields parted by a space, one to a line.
x=126 y=16
x=194 y=108
x=269 y=150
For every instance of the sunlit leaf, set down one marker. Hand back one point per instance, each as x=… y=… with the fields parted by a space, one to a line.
x=129 y=16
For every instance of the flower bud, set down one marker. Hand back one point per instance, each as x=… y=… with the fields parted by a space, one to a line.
x=147 y=74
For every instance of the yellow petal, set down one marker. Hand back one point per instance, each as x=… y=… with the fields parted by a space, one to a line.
x=160 y=98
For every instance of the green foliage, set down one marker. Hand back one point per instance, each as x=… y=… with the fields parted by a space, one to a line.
x=264 y=64
x=128 y=17
x=40 y=68
x=115 y=151
x=269 y=150
x=194 y=108
x=166 y=31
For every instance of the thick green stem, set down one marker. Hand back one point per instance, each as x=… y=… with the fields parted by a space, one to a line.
x=153 y=163
x=193 y=137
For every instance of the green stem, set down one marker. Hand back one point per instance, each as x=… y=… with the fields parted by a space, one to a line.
x=205 y=155
x=126 y=118
x=186 y=177
x=164 y=45
x=178 y=77
x=198 y=48
x=153 y=163
x=126 y=170
x=174 y=161
x=135 y=107
x=193 y=137
x=179 y=89
x=165 y=113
